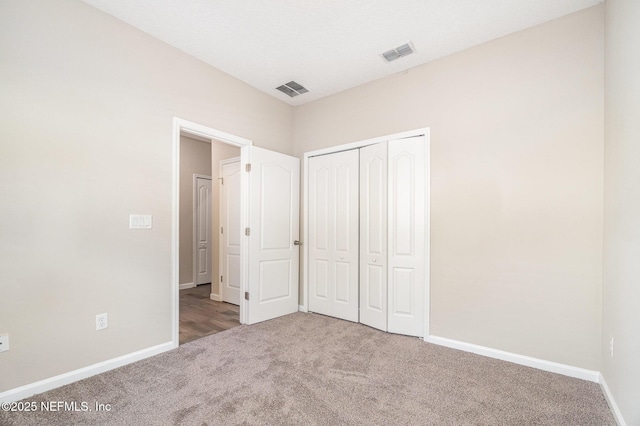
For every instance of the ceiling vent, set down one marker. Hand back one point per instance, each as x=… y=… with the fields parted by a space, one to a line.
x=292 y=89
x=398 y=52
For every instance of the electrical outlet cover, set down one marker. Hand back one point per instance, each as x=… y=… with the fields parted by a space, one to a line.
x=4 y=342
x=102 y=321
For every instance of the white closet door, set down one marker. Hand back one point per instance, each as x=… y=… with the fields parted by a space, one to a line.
x=320 y=252
x=345 y=235
x=333 y=235
x=406 y=234
x=373 y=236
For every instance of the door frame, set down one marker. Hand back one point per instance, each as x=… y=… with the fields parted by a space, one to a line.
x=194 y=247
x=425 y=131
x=195 y=129
x=221 y=239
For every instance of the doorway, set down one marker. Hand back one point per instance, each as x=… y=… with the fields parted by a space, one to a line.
x=269 y=216
x=201 y=311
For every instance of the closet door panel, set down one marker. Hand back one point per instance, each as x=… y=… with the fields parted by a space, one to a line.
x=343 y=207
x=321 y=287
x=346 y=250
x=342 y=283
x=403 y=288
x=373 y=293
x=406 y=232
x=320 y=271
x=333 y=235
x=404 y=210
x=373 y=236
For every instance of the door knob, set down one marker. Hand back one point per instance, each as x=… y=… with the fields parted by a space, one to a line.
x=296 y=243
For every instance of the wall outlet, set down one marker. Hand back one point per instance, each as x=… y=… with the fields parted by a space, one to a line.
x=4 y=342
x=102 y=321
x=611 y=347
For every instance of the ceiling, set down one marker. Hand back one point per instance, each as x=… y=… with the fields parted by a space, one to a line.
x=327 y=45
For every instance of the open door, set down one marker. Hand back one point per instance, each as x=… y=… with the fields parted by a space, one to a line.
x=272 y=234
x=230 y=230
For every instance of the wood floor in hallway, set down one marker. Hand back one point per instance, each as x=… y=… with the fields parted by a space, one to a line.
x=200 y=316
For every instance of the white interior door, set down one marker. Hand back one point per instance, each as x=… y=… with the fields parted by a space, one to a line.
x=373 y=235
x=230 y=230
x=333 y=234
x=202 y=230
x=274 y=204
x=406 y=236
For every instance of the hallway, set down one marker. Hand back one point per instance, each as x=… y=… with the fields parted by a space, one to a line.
x=200 y=316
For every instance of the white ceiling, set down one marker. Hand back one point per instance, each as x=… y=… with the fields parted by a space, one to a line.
x=327 y=45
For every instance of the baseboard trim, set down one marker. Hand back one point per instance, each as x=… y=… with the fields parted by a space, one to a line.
x=301 y=308
x=81 y=373
x=553 y=367
x=215 y=297
x=185 y=286
x=612 y=402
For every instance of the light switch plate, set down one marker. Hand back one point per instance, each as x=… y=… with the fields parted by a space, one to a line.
x=140 y=221
x=4 y=342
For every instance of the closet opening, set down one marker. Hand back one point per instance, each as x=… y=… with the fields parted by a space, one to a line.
x=366 y=227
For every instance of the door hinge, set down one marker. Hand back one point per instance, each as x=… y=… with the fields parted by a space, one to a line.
x=248 y=167
x=222 y=180
x=246 y=295
x=247 y=231
x=221 y=278
x=222 y=230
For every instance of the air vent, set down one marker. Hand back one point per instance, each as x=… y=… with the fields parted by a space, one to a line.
x=398 y=52
x=292 y=89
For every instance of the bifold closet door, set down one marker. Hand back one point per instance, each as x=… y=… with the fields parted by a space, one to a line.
x=406 y=236
x=333 y=234
x=373 y=236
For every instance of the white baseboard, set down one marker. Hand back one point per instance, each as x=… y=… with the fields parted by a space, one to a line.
x=184 y=286
x=302 y=308
x=82 y=373
x=612 y=402
x=216 y=297
x=553 y=367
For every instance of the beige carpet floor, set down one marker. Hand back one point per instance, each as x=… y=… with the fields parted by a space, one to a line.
x=309 y=369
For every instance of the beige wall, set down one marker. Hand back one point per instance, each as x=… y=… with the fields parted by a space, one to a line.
x=195 y=158
x=517 y=179
x=622 y=207
x=516 y=182
x=86 y=139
